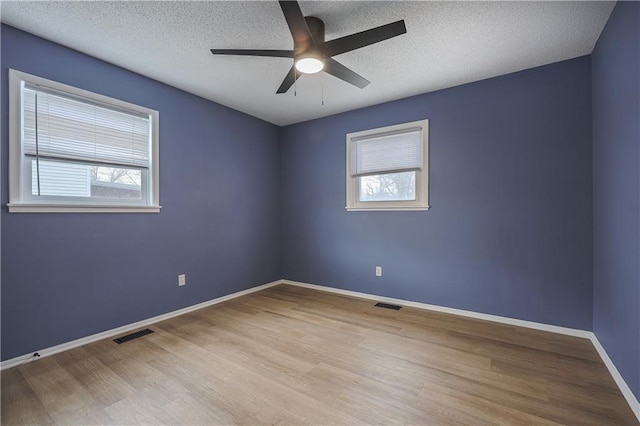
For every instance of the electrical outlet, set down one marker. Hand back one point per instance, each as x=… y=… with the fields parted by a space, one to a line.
x=378 y=271
x=182 y=279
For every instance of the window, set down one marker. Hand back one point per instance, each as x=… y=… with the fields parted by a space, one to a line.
x=71 y=150
x=387 y=168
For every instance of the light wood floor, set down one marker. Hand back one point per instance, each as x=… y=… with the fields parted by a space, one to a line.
x=289 y=355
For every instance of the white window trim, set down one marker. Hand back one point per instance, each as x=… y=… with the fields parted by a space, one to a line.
x=18 y=205
x=422 y=176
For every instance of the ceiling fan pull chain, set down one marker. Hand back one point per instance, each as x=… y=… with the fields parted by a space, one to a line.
x=322 y=86
x=295 y=81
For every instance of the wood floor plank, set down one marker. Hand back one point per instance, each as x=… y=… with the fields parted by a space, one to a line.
x=482 y=411
x=20 y=405
x=291 y=355
x=96 y=378
x=79 y=408
x=49 y=380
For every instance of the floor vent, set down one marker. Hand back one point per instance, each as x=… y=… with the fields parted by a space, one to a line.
x=388 y=306
x=133 y=336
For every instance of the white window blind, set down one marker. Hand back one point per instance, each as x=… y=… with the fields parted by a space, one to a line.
x=71 y=129
x=60 y=179
x=387 y=154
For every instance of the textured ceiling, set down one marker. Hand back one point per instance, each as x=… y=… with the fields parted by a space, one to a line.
x=447 y=44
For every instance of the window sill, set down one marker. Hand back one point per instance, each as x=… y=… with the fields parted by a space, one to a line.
x=56 y=208
x=387 y=208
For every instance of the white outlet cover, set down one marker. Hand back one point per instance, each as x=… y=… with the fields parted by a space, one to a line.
x=182 y=279
x=378 y=271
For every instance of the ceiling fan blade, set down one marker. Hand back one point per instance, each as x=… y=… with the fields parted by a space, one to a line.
x=297 y=25
x=364 y=38
x=288 y=81
x=253 y=52
x=336 y=69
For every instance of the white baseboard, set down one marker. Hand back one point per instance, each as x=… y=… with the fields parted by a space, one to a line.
x=126 y=328
x=624 y=388
x=471 y=314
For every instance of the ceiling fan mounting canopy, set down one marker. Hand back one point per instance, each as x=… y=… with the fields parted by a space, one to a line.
x=316 y=28
x=310 y=48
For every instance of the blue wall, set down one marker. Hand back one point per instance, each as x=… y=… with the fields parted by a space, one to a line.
x=510 y=226
x=66 y=276
x=616 y=190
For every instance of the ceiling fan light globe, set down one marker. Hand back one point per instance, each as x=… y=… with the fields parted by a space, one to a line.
x=309 y=65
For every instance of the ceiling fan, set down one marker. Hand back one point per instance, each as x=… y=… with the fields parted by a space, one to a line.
x=312 y=54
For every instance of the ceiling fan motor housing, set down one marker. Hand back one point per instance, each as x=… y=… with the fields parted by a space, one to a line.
x=311 y=54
